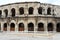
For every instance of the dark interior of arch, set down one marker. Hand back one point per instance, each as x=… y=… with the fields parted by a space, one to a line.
x=50 y=27
x=5 y=27
x=13 y=12
x=49 y=11
x=31 y=10
x=21 y=27
x=58 y=27
x=30 y=27
x=40 y=27
x=21 y=10
x=0 y=13
x=6 y=12
x=12 y=27
x=40 y=10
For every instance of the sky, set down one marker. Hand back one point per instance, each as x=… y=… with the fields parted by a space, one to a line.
x=55 y=2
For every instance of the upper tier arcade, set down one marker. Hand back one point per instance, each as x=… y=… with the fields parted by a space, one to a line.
x=23 y=9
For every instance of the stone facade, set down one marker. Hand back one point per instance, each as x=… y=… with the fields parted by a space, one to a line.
x=35 y=18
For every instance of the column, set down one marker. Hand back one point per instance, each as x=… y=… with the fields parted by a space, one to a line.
x=35 y=27
x=8 y=27
x=9 y=12
x=54 y=28
x=1 y=26
x=45 y=27
x=16 y=27
x=46 y=11
x=25 y=26
x=17 y=11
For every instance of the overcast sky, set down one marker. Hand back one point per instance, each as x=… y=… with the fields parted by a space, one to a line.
x=56 y=2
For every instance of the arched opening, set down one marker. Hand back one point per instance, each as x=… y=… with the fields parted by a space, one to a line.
x=0 y=13
x=40 y=10
x=49 y=11
x=12 y=27
x=21 y=27
x=30 y=27
x=5 y=27
x=31 y=10
x=21 y=10
x=40 y=27
x=50 y=27
x=6 y=12
x=13 y=12
x=58 y=27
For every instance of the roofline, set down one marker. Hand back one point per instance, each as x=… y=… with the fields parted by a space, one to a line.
x=27 y=2
x=18 y=3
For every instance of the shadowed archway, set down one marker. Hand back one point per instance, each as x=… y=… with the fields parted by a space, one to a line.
x=49 y=11
x=58 y=27
x=13 y=12
x=50 y=26
x=30 y=27
x=5 y=27
x=30 y=10
x=21 y=27
x=12 y=27
x=40 y=27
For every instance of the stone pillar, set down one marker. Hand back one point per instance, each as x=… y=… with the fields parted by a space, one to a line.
x=1 y=26
x=46 y=10
x=26 y=17
x=17 y=11
x=8 y=27
x=9 y=12
x=26 y=9
x=45 y=27
x=54 y=27
x=25 y=26
x=36 y=26
x=16 y=27
x=51 y=11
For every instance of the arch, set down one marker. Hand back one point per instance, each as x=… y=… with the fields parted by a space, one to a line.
x=40 y=27
x=58 y=27
x=40 y=10
x=13 y=12
x=5 y=27
x=21 y=27
x=21 y=10
x=30 y=27
x=30 y=10
x=0 y=13
x=12 y=27
x=49 y=11
x=6 y=12
x=50 y=26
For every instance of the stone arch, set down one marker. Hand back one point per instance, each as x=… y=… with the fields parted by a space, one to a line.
x=58 y=27
x=30 y=10
x=21 y=27
x=30 y=26
x=40 y=10
x=40 y=27
x=13 y=12
x=50 y=26
x=0 y=13
x=49 y=11
x=5 y=27
x=21 y=10
x=12 y=27
x=6 y=12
